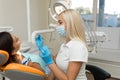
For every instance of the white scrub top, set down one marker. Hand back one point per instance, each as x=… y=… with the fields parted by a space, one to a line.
x=73 y=51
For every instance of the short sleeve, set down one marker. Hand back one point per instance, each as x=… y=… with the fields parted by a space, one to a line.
x=78 y=52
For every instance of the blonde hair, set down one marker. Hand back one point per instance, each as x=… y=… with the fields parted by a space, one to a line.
x=74 y=25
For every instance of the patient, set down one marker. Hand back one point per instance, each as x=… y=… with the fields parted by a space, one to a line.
x=10 y=43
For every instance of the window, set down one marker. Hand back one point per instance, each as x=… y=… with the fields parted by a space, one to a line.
x=84 y=7
x=107 y=15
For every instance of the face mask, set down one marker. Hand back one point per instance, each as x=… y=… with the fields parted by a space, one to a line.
x=61 y=30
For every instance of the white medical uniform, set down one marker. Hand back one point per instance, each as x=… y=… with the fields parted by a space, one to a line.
x=73 y=51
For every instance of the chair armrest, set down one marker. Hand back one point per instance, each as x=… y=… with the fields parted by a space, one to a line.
x=16 y=71
x=98 y=73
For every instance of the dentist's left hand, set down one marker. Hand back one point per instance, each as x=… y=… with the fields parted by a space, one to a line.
x=46 y=55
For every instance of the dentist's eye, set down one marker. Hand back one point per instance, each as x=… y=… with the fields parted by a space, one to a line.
x=60 y=22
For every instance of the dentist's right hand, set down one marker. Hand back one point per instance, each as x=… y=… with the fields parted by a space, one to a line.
x=39 y=42
x=46 y=55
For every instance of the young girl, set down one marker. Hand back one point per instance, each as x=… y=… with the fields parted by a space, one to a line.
x=10 y=43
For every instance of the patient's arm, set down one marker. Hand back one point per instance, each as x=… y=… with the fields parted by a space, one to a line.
x=35 y=65
x=19 y=58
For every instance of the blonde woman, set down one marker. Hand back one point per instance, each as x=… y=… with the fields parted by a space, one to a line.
x=72 y=57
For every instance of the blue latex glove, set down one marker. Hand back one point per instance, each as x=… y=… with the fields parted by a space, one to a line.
x=46 y=55
x=39 y=42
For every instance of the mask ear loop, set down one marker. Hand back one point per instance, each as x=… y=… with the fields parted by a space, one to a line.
x=25 y=61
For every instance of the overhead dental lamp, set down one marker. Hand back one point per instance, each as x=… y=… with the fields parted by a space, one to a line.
x=58 y=7
x=93 y=37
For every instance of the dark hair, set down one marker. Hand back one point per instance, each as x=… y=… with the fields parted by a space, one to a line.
x=6 y=43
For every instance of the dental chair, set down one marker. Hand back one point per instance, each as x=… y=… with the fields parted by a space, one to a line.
x=15 y=71
x=97 y=72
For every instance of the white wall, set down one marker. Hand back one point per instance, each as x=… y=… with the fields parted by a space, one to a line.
x=113 y=37
x=13 y=13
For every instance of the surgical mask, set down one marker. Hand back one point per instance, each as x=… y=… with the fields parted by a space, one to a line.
x=61 y=30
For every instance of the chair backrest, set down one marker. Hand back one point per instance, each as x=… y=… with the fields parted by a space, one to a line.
x=16 y=71
x=3 y=57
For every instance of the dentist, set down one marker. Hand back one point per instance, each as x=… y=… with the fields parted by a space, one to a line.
x=70 y=62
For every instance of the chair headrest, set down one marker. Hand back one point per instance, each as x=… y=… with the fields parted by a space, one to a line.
x=3 y=57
